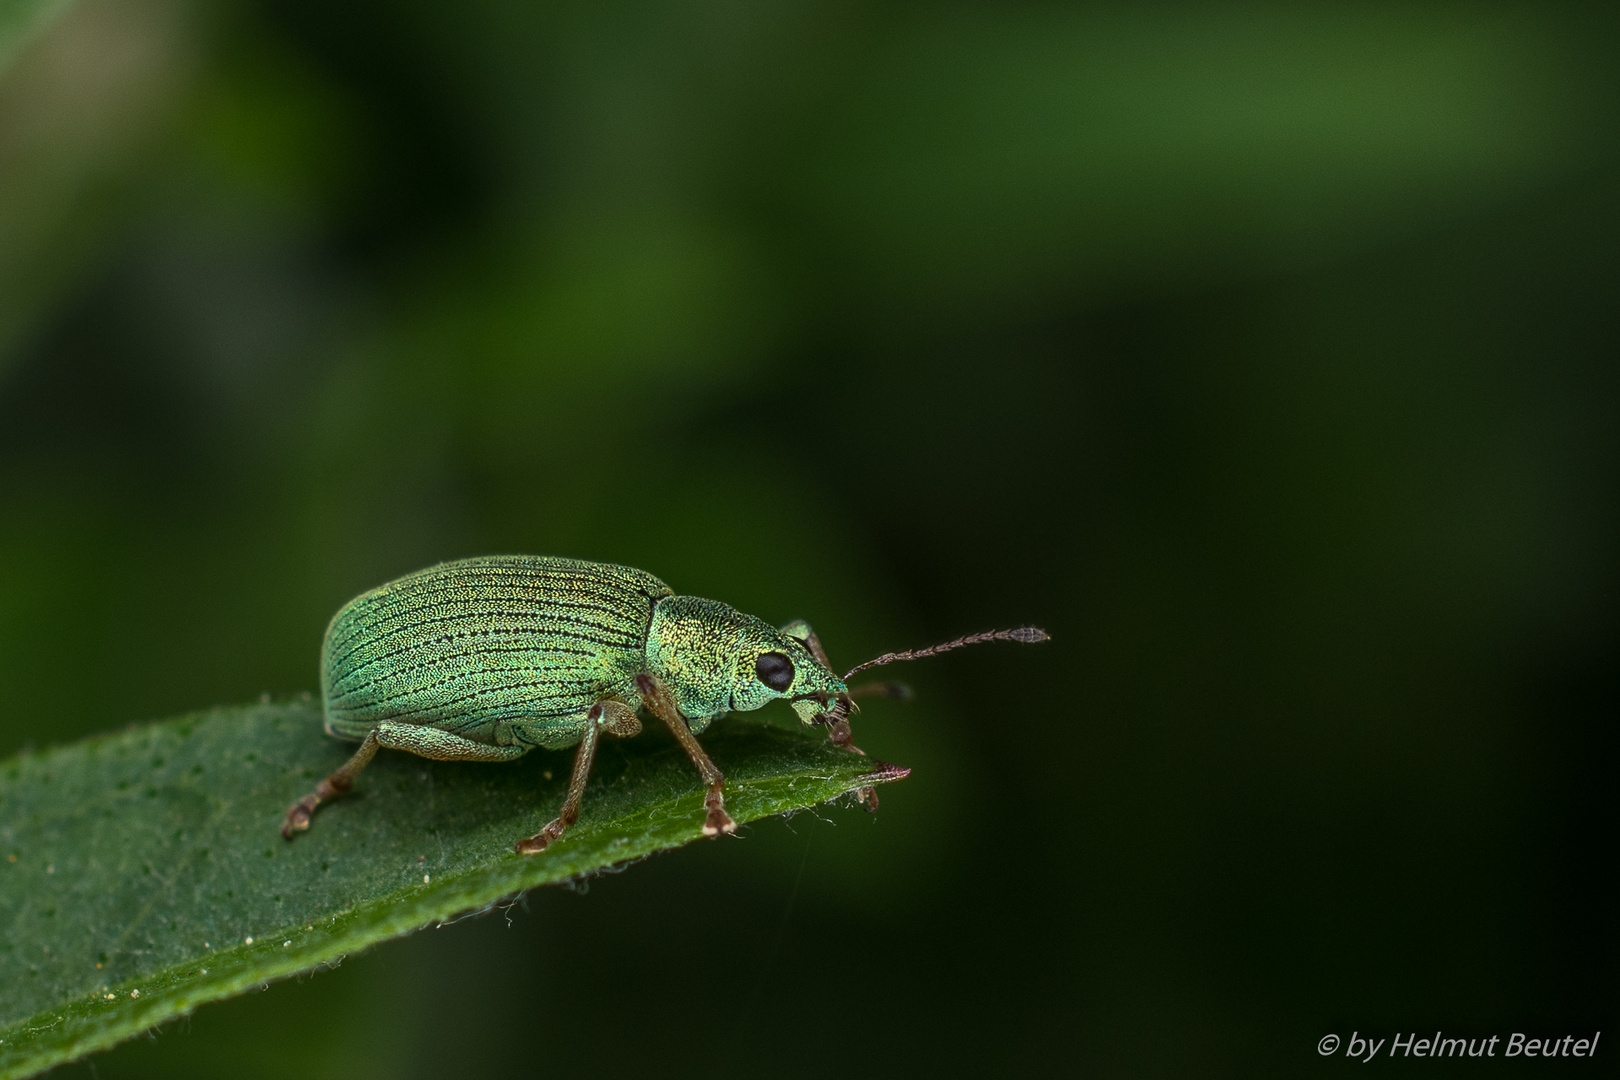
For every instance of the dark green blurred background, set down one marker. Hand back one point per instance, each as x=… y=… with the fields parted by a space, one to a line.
x=1265 y=355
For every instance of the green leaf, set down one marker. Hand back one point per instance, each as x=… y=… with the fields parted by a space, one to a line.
x=142 y=874
x=20 y=20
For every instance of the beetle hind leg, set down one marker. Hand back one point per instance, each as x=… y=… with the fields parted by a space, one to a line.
x=423 y=741
x=330 y=787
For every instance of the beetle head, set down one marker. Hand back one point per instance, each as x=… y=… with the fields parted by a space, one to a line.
x=786 y=663
x=714 y=659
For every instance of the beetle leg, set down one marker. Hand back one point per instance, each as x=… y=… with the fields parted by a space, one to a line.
x=583 y=757
x=331 y=787
x=423 y=741
x=612 y=717
x=841 y=735
x=662 y=705
x=619 y=719
x=837 y=721
x=816 y=650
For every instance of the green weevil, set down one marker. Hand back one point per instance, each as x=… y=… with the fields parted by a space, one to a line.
x=485 y=659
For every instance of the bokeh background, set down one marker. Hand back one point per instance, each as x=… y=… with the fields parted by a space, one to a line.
x=1266 y=355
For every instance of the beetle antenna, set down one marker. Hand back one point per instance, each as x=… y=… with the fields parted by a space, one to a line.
x=1027 y=635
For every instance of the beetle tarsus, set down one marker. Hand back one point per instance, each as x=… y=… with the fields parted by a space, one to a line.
x=297 y=819
x=542 y=839
x=717 y=821
x=841 y=735
x=298 y=814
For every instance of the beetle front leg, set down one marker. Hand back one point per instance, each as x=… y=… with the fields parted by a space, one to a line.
x=661 y=704
x=612 y=717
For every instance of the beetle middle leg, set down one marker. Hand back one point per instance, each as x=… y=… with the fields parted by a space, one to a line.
x=428 y=742
x=612 y=717
x=661 y=704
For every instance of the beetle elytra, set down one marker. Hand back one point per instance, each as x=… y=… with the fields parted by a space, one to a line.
x=485 y=659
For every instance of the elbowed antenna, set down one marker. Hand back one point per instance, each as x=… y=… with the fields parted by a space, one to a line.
x=1027 y=635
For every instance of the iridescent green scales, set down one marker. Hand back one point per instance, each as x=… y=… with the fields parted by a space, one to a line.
x=504 y=650
x=486 y=659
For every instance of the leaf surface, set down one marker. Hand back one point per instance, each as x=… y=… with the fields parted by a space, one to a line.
x=142 y=874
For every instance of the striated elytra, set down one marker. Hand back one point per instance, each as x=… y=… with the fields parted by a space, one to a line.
x=485 y=659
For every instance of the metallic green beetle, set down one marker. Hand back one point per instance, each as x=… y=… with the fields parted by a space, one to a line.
x=485 y=659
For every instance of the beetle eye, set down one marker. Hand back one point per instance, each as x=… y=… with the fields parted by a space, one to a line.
x=775 y=671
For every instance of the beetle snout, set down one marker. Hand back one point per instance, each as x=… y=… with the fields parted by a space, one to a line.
x=823 y=707
x=809 y=710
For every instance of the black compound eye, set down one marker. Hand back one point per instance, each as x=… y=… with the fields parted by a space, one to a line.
x=775 y=671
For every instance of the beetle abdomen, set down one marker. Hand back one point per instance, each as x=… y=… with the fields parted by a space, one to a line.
x=460 y=646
